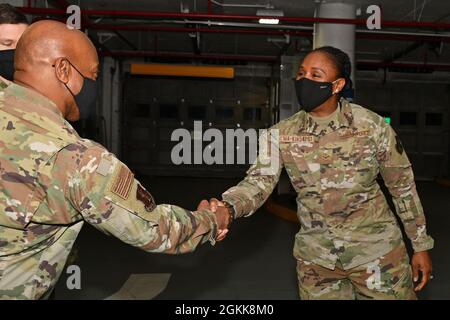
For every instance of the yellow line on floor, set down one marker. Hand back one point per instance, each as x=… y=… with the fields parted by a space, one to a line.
x=443 y=182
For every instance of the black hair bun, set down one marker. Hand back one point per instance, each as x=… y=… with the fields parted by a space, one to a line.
x=348 y=85
x=342 y=63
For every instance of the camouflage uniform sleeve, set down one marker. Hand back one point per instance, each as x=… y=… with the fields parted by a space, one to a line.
x=398 y=177
x=108 y=197
x=261 y=179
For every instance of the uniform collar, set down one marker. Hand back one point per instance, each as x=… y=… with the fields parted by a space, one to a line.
x=37 y=109
x=39 y=103
x=4 y=83
x=344 y=119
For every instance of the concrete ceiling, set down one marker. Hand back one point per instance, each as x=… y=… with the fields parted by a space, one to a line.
x=427 y=10
x=242 y=44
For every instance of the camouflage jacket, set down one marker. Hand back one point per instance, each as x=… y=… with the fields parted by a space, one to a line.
x=342 y=211
x=52 y=181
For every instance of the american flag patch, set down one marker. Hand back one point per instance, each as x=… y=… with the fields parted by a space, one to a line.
x=123 y=182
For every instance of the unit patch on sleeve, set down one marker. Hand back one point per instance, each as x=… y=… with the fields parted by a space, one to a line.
x=146 y=198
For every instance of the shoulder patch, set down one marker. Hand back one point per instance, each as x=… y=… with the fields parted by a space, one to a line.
x=103 y=167
x=123 y=182
x=146 y=198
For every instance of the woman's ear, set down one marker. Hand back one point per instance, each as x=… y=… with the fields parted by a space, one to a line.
x=338 y=85
x=62 y=70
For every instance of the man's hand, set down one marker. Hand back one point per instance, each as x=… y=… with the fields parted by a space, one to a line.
x=214 y=204
x=223 y=222
x=222 y=216
x=421 y=261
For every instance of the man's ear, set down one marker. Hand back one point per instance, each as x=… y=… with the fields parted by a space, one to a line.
x=62 y=69
x=339 y=85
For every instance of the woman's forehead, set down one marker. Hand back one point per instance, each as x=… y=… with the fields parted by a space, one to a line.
x=317 y=58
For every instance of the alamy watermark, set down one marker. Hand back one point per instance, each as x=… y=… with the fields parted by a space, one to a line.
x=74 y=20
x=374 y=282
x=74 y=279
x=228 y=148
x=373 y=22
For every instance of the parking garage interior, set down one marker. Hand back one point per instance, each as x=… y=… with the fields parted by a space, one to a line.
x=165 y=65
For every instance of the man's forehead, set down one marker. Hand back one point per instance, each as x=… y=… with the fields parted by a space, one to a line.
x=12 y=28
x=87 y=57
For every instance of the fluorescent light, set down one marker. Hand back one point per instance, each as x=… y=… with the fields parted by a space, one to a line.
x=269 y=16
x=269 y=21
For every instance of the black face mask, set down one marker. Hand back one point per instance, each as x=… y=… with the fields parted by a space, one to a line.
x=311 y=94
x=7 y=64
x=87 y=96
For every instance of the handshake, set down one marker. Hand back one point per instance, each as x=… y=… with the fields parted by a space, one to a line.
x=224 y=215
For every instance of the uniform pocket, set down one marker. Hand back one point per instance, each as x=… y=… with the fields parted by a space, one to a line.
x=361 y=165
x=305 y=165
x=404 y=208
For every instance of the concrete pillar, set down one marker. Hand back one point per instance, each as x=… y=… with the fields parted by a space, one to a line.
x=341 y=36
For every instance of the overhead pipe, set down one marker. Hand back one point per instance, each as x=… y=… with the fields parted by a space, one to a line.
x=402 y=36
x=304 y=28
x=308 y=20
x=221 y=24
x=268 y=59
x=236 y=5
x=259 y=30
x=307 y=33
x=209 y=7
x=242 y=25
x=181 y=56
x=275 y=30
x=187 y=29
x=406 y=65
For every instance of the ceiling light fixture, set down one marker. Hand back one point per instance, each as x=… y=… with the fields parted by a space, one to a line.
x=269 y=16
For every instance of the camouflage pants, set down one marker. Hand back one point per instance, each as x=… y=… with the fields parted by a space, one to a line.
x=387 y=278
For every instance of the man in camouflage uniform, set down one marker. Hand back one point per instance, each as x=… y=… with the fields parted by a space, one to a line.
x=348 y=236
x=52 y=181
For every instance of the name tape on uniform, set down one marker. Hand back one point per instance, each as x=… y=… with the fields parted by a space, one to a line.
x=294 y=138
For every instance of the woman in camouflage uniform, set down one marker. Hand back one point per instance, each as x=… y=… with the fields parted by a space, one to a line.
x=350 y=244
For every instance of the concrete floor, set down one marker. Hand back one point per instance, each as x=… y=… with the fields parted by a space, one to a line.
x=254 y=262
